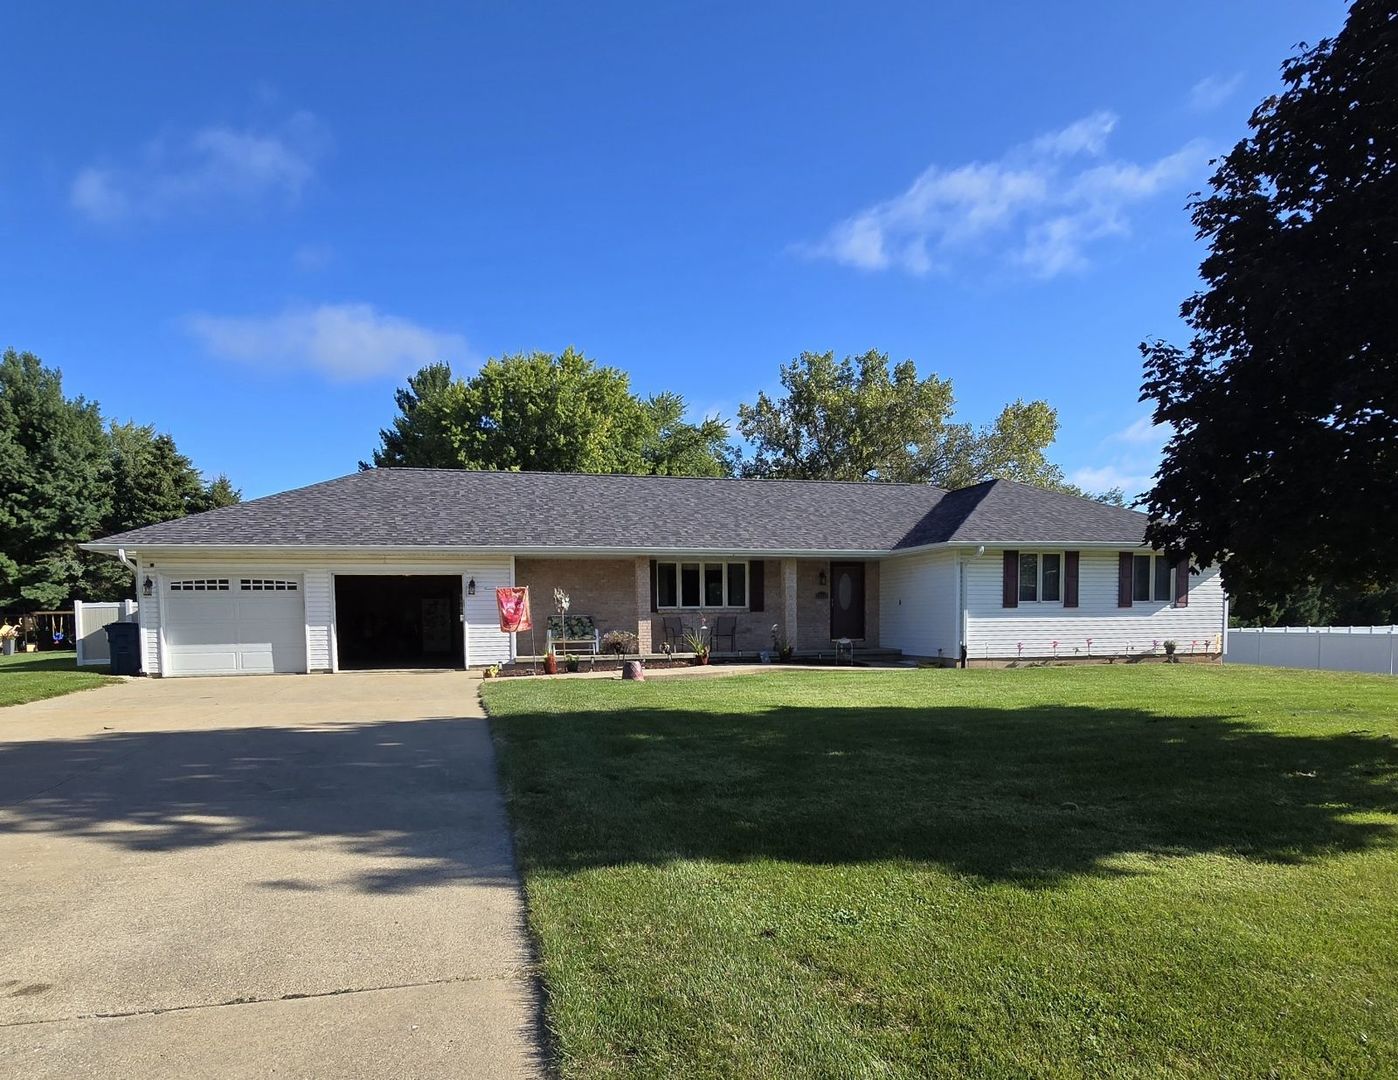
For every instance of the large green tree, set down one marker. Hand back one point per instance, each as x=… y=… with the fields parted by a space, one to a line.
x=860 y=419
x=545 y=412
x=1284 y=403
x=52 y=495
x=65 y=478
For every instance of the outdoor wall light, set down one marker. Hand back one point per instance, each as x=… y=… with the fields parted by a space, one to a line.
x=471 y=587
x=147 y=586
x=822 y=578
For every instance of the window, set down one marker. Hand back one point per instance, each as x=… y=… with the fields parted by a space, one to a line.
x=701 y=584
x=1040 y=576
x=1151 y=582
x=200 y=585
x=666 y=585
x=267 y=585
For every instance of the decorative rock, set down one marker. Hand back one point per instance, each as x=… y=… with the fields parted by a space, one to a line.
x=633 y=669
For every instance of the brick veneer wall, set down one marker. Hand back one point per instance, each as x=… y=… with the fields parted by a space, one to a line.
x=616 y=593
x=602 y=588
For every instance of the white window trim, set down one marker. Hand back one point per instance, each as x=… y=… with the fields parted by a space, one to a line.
x=701 y=606
x=1039 y=580
x=1169 y=597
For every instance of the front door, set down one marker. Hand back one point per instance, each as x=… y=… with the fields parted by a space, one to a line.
x=847 y=600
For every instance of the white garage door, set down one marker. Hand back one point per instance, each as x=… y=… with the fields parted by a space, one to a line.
x=234 y=625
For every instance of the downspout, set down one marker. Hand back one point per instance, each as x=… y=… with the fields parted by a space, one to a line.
x=135 y=570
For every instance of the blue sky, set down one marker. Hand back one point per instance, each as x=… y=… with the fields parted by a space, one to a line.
x=247 y=223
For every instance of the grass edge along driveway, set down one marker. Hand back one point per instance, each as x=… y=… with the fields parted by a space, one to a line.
x=1107 y=871
x=26 y=677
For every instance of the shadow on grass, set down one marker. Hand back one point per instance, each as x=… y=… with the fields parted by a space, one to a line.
x=1029 y=795
x=418 y=798
x=22 y=663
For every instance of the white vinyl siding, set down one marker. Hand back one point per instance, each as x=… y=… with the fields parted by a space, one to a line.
x=320 y=615
x=315 y=575
x=996 y=632
x=917 y=604
x=485 y=644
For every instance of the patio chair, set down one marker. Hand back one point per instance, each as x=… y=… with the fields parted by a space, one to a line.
x=725 y=629
x=673 y=630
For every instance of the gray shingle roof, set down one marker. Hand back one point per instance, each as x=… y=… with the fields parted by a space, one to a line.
x=454 y=508
x=1002 y=511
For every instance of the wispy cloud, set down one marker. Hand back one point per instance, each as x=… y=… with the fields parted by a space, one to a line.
x=1126 y=458
x=211 y=168
x=1212 y=91
x=1041 y=206
x=344 y=341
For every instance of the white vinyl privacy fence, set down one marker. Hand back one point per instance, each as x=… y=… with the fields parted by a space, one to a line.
x=88 y=632
x=1328 y=648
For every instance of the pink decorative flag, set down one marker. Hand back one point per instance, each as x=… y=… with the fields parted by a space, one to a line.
x=513 y=602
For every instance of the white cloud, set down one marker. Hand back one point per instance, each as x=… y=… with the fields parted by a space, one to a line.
x=1212 y=91
x=211 y=168
x=1126 y=458
x=344 y=341
x=1041 y=206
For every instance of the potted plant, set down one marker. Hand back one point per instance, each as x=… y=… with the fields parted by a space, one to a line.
x=551 y=663
x=8 y=635
x=780 y=645
x=570 y=664
x=492 y=672
x=1170 y=657
x=622 y=642
x=696 y=643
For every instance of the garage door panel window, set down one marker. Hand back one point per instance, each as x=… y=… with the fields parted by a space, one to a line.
x=267 y=585
x=200 y=585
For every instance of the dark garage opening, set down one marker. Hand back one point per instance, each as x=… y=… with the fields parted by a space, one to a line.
x=404 y=621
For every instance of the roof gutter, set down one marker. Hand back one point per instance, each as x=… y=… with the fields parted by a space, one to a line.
x=526 y=550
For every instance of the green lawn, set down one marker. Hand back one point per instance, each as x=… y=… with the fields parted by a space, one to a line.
x=32 y=676
x=1097 y=871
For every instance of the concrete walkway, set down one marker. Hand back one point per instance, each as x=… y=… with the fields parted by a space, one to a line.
x=290 y=876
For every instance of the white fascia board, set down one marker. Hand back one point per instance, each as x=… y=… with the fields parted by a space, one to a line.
x=526 y=550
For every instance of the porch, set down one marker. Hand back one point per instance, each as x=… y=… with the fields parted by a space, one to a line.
x=807 y=603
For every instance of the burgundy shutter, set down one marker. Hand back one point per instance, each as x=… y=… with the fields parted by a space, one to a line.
x=757 y=575
x=1010 y=592
x=654 y=587
x=1182 y=583
x=1123 y=579
x=1070 y=579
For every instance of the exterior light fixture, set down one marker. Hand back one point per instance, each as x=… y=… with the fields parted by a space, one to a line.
x=147 y=586
x=822 y=579
x=471 y=587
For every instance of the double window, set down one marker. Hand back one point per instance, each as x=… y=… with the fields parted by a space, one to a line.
x=701 y=584
x=1040 y=577
x=1150 y=578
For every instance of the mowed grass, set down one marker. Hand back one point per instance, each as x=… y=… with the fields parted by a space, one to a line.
x=1105 y=871
x=34 y=676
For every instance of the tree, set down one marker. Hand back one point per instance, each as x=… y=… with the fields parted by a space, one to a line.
x=52 y=495
x=1284 y=461
x=543 y=412
x=147 y=481
x=855 y=419
x=676 y=447
x=67 y=479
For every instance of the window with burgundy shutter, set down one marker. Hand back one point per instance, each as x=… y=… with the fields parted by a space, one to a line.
x=1126 y=564
x=1009 y=593
x=1070 y=579
x=1182 y=583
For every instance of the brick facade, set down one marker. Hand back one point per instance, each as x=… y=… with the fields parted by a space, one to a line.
x=617 y=594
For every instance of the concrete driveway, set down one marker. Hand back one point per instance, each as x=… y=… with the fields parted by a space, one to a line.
x=289 y=876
